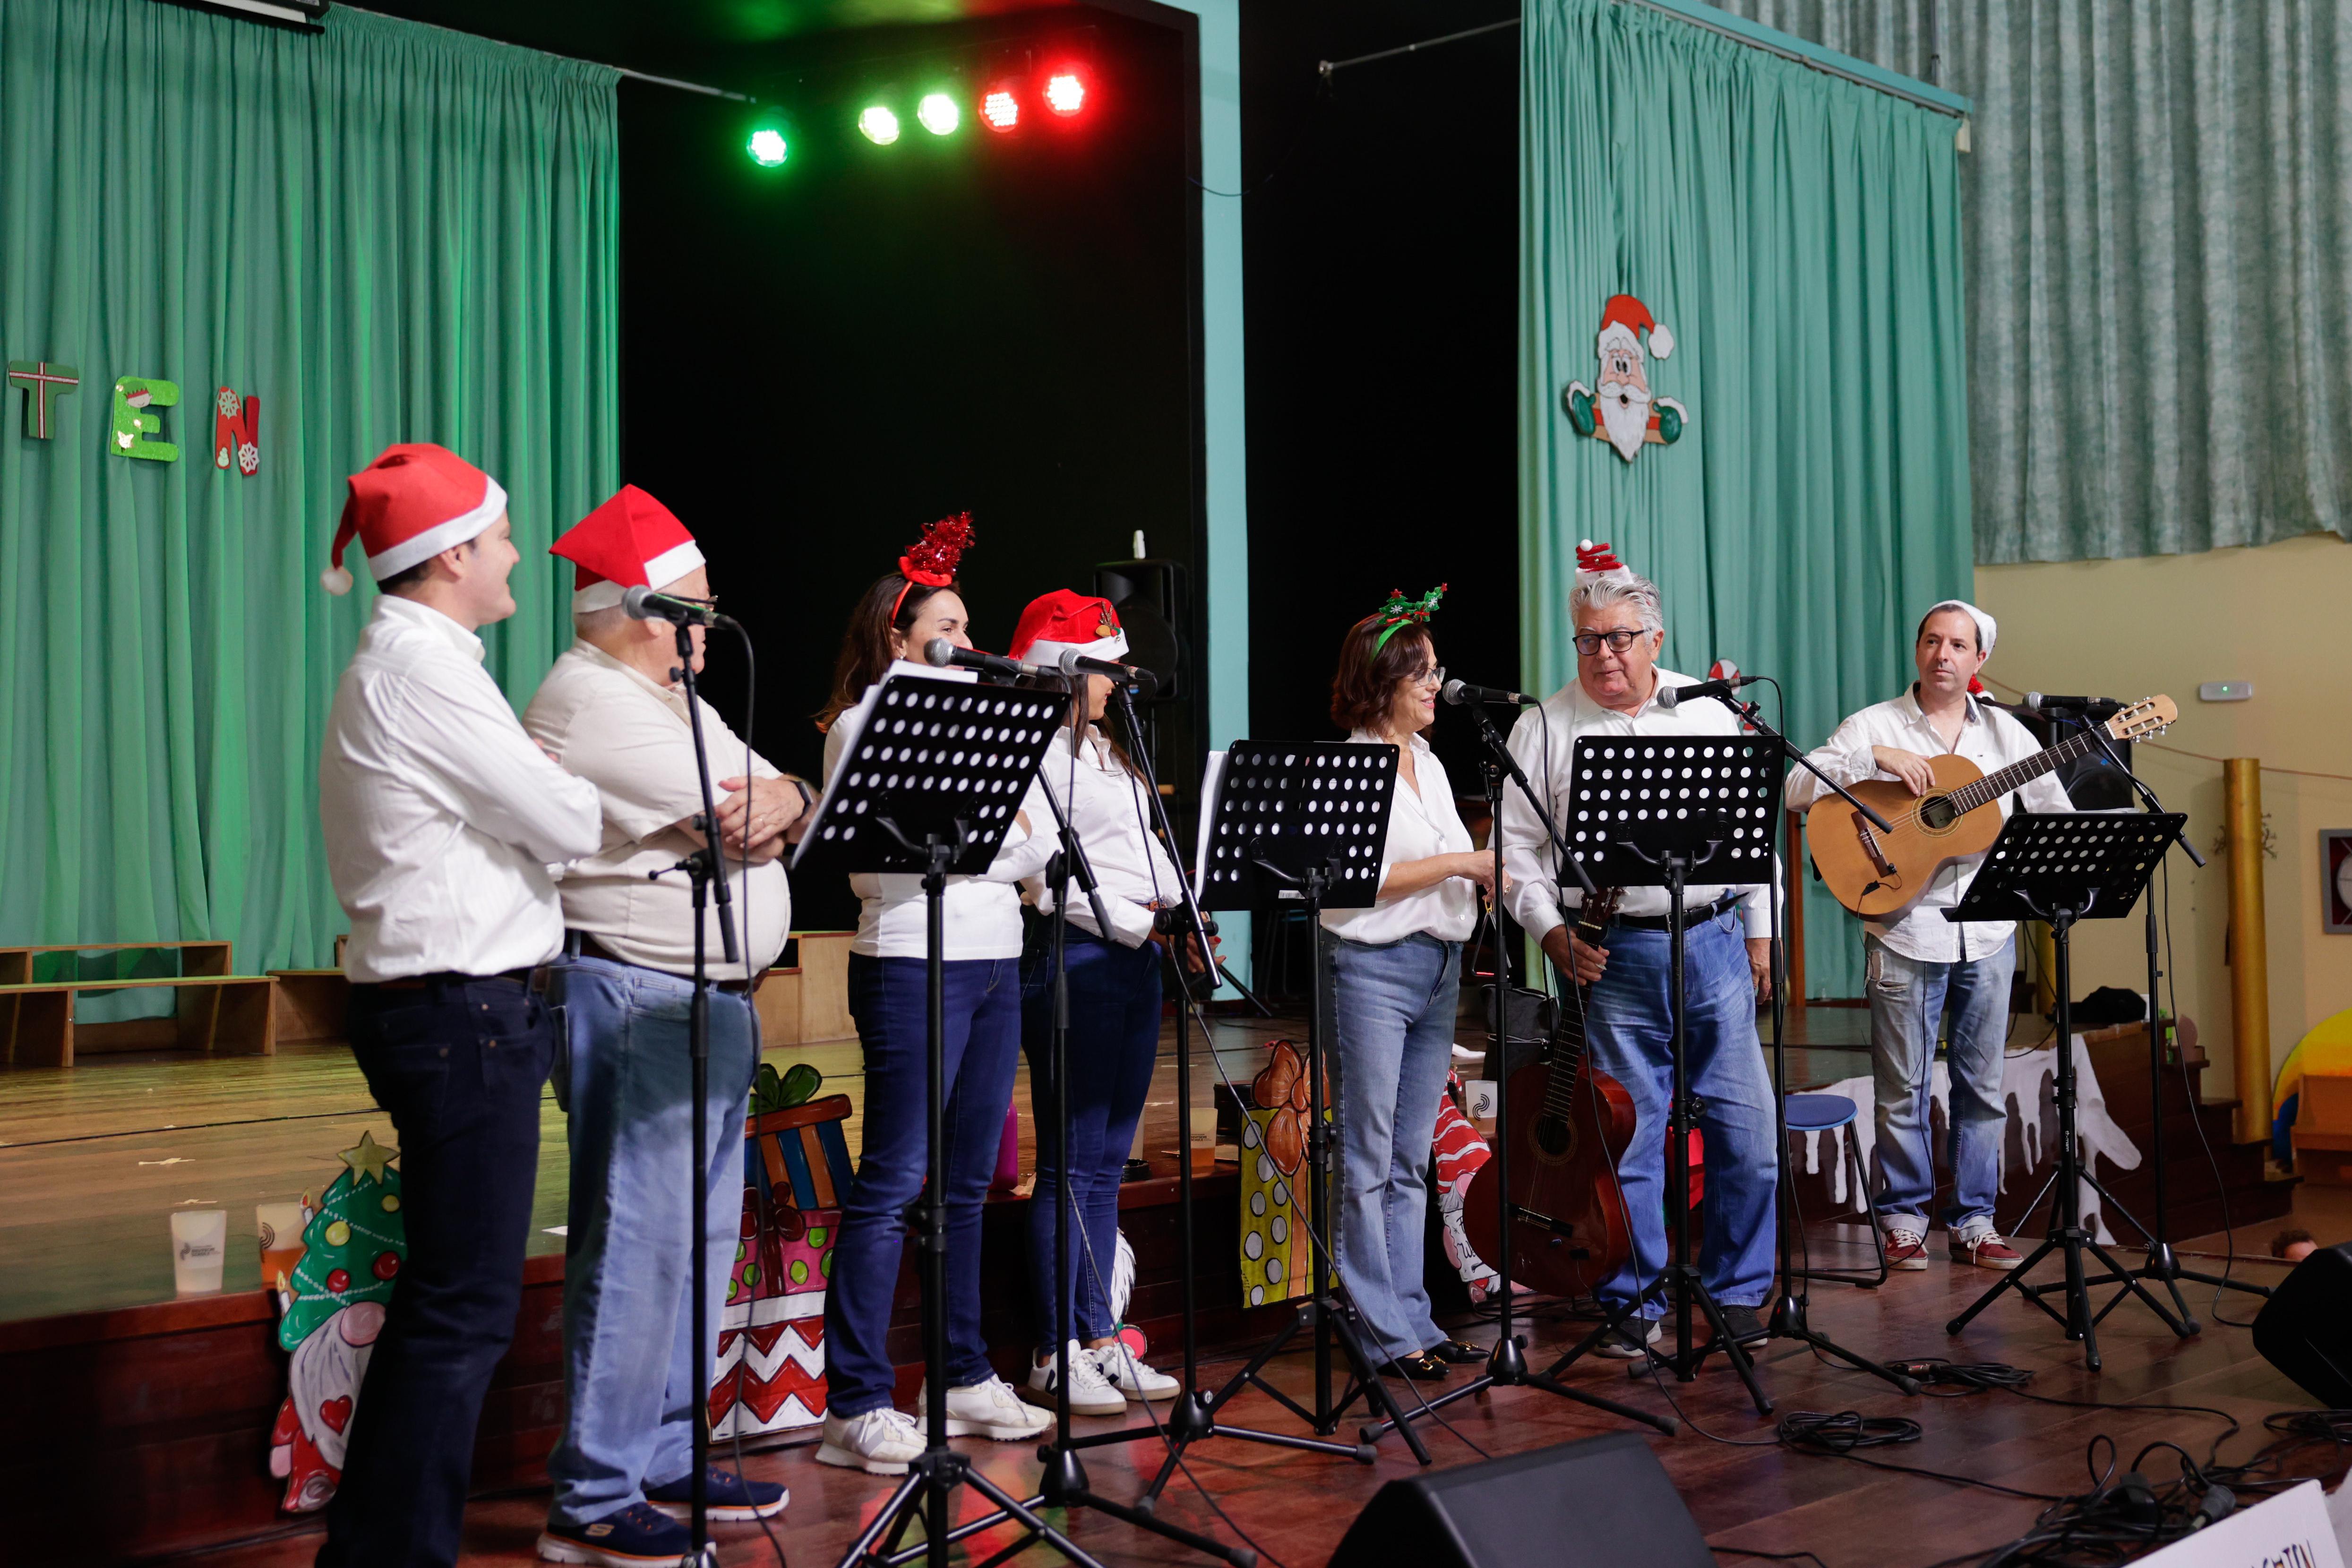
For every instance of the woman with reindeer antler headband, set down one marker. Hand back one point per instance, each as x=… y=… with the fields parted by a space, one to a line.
x=902 y=612
x=1398 y=969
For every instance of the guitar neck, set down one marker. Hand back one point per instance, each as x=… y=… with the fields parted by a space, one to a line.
x=2017 y=775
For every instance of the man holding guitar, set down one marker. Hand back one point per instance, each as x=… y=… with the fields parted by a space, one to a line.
x=1619 y=629
x=1919 y=962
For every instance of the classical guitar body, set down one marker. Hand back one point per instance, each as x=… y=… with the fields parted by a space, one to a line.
x=1571 y=1233
x=1880 y=873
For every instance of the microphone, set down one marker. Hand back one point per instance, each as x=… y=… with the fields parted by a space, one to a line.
x=1674 y=697
x=1075 y=664
x=644 y=605
x=1460 y=692
x=2089 y=707
x=939 y=654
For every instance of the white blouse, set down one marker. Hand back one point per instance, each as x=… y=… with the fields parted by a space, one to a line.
x=1109 y=808
x=1422 y=822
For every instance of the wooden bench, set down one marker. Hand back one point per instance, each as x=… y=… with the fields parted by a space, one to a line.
x=217 y=1012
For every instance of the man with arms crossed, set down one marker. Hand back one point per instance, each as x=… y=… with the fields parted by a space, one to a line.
x=1920 y=961
x=441 y=819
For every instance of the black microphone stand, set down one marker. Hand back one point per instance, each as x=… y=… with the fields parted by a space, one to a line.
x=706 y=869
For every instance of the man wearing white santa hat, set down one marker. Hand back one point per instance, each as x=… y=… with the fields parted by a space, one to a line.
x=441 y=819
x=636 y=1367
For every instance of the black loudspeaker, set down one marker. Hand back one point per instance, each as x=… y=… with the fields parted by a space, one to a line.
x=1152 y=607
x=2305 y=1328
x=1601 y=1503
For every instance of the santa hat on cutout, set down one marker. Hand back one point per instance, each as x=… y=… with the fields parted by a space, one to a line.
x=630 y=541
x=1062 y=621
x=1623 y=317
x=412 y=502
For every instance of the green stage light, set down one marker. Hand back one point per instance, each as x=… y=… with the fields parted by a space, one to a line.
x=938 y=113
x=767 y=147
x=878 y=125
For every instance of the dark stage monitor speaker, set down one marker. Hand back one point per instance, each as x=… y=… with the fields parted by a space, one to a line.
x=2305 y=1328
x=1603 y=1503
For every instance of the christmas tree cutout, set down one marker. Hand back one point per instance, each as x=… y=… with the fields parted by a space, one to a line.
x=353 y=1247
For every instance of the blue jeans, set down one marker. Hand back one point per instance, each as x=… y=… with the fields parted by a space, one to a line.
x=1113 y=1043
x=1393 y=1036
x=1907 y=998
x=458 y=1068
x=636 y=1370
x=888 y=1000
x=1629 y=1029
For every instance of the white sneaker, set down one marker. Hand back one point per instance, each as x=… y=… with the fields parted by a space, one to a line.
x=1130 y=1377
x=992 y=1409
x=1091 y=1393
x=880 y=1442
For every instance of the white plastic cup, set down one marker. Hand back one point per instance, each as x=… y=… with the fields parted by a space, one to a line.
x=199 y=1249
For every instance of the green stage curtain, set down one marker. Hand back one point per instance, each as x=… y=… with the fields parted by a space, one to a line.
x=383 y=232
x=1799 y=236
x=2158 y=203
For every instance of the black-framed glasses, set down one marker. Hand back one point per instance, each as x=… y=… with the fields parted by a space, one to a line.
x=1588 y=643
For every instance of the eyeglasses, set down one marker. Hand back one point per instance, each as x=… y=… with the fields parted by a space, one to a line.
x=1428 y=675
x=1588 y=642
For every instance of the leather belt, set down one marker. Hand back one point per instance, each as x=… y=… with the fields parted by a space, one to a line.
x=441 y=977
x=1691 y=917
x=592 y=948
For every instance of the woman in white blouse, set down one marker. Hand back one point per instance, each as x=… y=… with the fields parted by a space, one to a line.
x=1398 y=972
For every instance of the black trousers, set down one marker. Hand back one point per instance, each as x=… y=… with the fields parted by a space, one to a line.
x=458 y=1066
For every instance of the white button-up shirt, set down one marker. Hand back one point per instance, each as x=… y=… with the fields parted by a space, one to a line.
x=1990 y=739
x=1544 y=742
x=980 y=915
x=1108 y=807
x=1422 y=822
x=627 y=735
x=442 y=817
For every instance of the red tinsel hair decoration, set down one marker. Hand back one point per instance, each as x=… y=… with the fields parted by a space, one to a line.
x=932 y=559
x=1591 y=557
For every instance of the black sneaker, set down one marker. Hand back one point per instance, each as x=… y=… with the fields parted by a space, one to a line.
x=1745 y=1327
x=726 y=1496
x=637 y=1536
x=1629 y=1340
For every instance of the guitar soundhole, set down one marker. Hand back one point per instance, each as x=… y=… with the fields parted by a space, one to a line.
x=1553 y=1136
x=1936 y=813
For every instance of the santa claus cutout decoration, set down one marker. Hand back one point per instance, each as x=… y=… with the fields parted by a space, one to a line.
x=1624 y=410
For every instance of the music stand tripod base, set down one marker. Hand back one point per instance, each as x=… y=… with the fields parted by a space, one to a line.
x=2063 y=867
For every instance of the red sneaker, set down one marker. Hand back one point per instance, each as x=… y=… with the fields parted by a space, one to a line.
x=1905 y=1248
x=1986 y=1251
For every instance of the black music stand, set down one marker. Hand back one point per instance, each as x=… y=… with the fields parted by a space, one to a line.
x=1304 y=821
x=2062 y=867
x=1648 y=811
x=929 y=785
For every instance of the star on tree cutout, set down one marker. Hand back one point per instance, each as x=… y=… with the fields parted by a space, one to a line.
x=367 y=1158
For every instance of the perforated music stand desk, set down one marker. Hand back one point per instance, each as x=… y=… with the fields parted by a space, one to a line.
x=2062 y=867
x=929 y=785
x=1647 y=810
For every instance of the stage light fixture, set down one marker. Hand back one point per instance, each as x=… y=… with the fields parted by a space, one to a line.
x=1066 y=92
x=878 y=125
x=1001 y=108
x=767 y=147
x=938 y=114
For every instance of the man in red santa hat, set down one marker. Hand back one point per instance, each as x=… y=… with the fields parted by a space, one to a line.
x=441 y=819
x=637 y=1364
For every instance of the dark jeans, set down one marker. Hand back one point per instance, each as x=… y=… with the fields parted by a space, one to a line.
x=888 y=1001
x=458 y=1068
x=1114 y=1038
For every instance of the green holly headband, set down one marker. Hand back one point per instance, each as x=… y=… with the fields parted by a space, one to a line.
x=1400 y=612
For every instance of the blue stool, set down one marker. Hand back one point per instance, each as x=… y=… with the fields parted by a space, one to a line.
x=1833 y=1113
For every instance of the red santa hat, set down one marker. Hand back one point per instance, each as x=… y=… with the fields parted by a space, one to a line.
x=630 y=541
x=1623 y=317
x=1062 y=621
x=412 y=502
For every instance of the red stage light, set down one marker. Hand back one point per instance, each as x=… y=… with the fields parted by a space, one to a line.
x=1000 y=109
x=1066 y=92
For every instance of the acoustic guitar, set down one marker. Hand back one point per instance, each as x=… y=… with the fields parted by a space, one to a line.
x=1569 y=1124
x=1881 y=874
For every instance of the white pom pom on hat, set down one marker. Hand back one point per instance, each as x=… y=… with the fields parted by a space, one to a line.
x=336 y=580
x=1662 y=342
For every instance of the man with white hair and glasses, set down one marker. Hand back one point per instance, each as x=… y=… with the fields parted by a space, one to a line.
x=1919 y=963
x=1620 y=627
